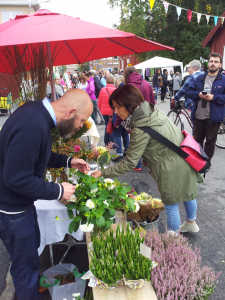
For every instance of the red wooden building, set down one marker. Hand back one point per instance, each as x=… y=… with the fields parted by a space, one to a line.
x=127 y=60
x=216 y=39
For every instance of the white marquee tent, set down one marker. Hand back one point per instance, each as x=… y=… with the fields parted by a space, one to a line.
x=158 y=62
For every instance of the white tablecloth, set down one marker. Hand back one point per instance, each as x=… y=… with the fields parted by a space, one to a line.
x=93 y=133
x=53 y=230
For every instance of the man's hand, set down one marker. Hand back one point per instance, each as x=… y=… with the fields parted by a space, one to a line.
x=172 y=98
x=80 y=164
x=208 y=97
x=96 y=174
x=69 y=190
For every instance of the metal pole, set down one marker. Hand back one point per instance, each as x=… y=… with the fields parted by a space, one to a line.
x=51 y=71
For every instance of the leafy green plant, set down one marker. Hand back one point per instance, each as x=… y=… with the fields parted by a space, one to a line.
x=115 y=257
x=96 y=200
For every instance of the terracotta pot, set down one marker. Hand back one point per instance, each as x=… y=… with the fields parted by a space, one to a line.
x=62 y=280
x=68 y=279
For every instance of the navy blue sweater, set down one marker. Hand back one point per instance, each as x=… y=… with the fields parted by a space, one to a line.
x=25 y=152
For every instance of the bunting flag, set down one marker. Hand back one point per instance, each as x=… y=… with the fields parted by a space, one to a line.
x=152 y=3
x=166 y=5
x=178 y=11
x=189 y=15
x=215 y=20
x=198 y=17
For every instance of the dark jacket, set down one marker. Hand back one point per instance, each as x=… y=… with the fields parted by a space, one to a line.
x=165 y=82
x=166 y=167
x=218 y=90
x=188 y=81
x=155 y=80
x=98 y=86
x=136 y=80
x=25 y=152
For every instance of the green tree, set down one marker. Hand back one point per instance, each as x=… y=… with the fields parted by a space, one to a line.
x=186 y=38
x=83 y=67
x=64 y=68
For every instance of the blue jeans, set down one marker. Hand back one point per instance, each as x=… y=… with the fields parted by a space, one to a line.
x=156 y=90
x=21 y=236
x=173 y=215
x=118 y=133
x=107 y=137
x=93 y=112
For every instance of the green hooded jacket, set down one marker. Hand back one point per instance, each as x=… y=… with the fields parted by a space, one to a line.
x=176 y=179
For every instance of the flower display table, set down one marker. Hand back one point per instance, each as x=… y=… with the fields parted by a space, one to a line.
x=122 y=292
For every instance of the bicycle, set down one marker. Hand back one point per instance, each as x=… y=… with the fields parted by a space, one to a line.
x=220 y=142
x=178 y=110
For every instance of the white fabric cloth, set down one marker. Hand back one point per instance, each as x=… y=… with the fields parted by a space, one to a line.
x=93 y=133
x=158 y=62
x=53 y=230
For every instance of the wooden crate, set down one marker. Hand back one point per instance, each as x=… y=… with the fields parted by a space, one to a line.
x=122 y=292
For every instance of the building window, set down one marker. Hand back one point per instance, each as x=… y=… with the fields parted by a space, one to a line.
x=115 y=57
x=7 y=15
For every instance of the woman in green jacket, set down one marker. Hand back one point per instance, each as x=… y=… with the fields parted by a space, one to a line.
x=176 y=179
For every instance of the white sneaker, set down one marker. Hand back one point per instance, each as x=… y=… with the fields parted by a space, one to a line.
x=189 y=227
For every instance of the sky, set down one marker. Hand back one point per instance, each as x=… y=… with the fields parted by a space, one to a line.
x=95 y=11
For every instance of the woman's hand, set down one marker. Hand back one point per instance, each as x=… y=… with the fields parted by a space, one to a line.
x=96 y=174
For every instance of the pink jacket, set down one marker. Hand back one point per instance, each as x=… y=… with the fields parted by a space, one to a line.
x=103 y=99
x=90 y=90
x=136 y=80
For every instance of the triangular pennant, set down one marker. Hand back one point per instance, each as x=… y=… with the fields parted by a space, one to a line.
x=166 y=5
x=178 y=11
x=189 y=15
x=199 y=17
x=215 y=20
x=207 y=18
x=152 y=3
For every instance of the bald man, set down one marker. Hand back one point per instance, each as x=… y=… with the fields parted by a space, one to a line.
x=25 y=153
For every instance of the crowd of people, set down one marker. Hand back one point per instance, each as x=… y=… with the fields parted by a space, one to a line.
x=128 y=100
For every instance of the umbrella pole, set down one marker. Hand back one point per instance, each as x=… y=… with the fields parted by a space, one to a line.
x=51 y=71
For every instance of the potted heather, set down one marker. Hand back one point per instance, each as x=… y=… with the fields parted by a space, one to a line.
x=180 y=266
x=96 y=201
x=148 y=214
x=116 y=260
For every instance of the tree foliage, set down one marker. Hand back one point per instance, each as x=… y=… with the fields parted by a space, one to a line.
x=186 y=38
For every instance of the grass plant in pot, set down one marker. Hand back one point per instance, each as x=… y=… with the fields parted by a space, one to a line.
x=116 y=260
x=148 y=214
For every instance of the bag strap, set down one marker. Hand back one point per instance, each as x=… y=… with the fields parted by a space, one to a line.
x=111 y=112
x=160 y=138
x=107 y=92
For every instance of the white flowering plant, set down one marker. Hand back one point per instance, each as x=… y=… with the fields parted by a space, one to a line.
x=96 y=201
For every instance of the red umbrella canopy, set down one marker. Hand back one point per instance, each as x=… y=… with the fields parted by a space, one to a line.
x=74 y=40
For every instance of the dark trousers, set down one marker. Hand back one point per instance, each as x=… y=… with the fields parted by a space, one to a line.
x=93 y=112
x=97 y=112
x=107 y=137
x=21 y=236
x=163 y=92
x=204 y=129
